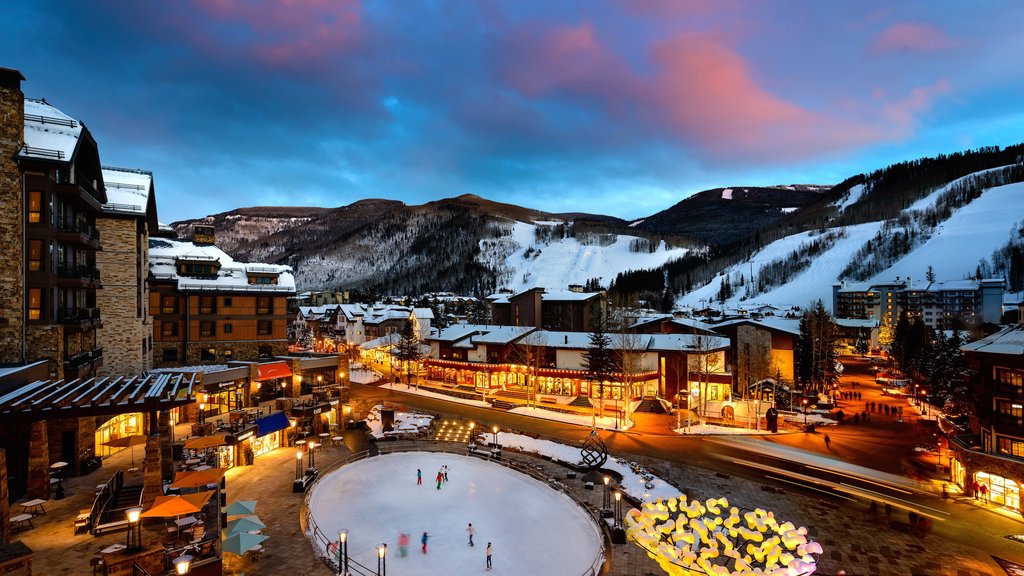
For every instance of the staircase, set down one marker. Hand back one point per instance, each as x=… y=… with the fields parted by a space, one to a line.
x=581 y=401
x=651 y=406
x=127 y=497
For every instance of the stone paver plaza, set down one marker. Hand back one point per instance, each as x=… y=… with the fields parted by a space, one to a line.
x=854 y=539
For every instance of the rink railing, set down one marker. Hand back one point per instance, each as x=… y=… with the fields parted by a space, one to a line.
x=329 y=542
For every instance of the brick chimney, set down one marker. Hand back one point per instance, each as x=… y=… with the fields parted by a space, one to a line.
x=12 y=214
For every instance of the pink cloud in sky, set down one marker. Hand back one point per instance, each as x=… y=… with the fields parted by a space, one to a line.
x=285 y=33
x=911 y=37
x=902 y=114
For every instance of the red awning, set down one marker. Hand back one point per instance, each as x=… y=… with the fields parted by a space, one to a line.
x=272 y=370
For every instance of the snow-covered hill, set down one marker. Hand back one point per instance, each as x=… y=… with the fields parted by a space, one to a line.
x=952 y=241
x=539 y=254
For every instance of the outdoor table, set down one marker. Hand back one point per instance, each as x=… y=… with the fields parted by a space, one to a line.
x=338 y=440
x=21 y=520
x=192 y=461
x=34 y=506
x=113 y=548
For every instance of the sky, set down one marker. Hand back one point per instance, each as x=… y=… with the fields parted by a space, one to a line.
x=618 y=107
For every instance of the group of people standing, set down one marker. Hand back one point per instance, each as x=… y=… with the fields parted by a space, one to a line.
x=442 y=476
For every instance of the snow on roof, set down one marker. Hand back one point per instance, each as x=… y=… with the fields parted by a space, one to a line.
x=502 y=334
x=49 y=133
x=961 y=285
x=686 y=343
x=232 y=276
x=499 y=298
x=127 y=189
x=779 y=323
x=857 y=322
x=390 y=339
x=1009 y=341
x=423 y=313
x=565 y=340
x=457 y=332
x=568 y=296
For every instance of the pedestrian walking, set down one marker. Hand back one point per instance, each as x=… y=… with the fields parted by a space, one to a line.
x=403 y=544
x=975 y=489
x=828 y=442
x=419 y=477
x=886 y=409
x=984 y=493
x=423 y=541
x=470 y=530
x=440 y=478
x=858 y=395
x=490 y=550
x=856 y=418
x=445 y=470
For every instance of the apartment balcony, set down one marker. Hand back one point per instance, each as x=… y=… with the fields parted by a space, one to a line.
x=76 y=232
x=78 y=315
x=83 y=364
x=84 y=274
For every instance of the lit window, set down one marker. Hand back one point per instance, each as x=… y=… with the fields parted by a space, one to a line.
x=35 y=207
x=35 y=255
x=35 y=303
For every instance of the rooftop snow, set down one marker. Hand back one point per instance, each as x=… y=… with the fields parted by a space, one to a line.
x=127 y=190
x=1009 y=341
x=164 y=253
x=49 y=133
x=779 y=323
x=857 y=322
x=686 y=343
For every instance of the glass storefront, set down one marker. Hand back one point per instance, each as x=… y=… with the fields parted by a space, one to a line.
x=117 y=427
x=1002 y=491
x=263 y=444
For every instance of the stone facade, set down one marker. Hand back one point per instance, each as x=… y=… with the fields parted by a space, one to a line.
x=47 y=342
x=38 y=462
x=241 y=351
x=12 y=214
x=126 y=330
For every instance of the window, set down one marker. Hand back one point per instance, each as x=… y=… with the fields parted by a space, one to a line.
x=206 y=328
x=264 y=305
x=228 y=353
x=227 y=302
x=35 y=255
x=208 y=354
x=265 y=352
x=35 y=207
x=263 y=327
x=35 y=303
x=228 y=328
x=1011 y=447
x=168 y=329
x=170 y=354
x=207 y=305
x=264 y=280
x=168 y=305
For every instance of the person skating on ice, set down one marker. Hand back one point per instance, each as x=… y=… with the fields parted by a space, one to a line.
x=419 y=477
x=440 y=478
x=423 y=541
x=470 y=530
x=490 y=550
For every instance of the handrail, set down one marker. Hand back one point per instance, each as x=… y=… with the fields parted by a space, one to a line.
x=310 y=526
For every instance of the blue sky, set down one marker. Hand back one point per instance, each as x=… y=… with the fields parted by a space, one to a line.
x=620 y=107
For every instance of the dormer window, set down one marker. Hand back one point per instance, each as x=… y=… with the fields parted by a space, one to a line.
x=263 y=279
x=198 y=267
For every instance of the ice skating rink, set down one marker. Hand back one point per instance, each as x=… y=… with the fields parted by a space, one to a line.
x=536 y=531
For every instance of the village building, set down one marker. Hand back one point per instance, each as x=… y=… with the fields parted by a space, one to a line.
x=968 y=303
x=569 y=310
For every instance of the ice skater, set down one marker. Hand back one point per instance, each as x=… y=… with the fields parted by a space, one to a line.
x=444 y=469
x=490 y=551
x=423 y=541
x=419 y=477
x=403 y=544
x=440 y=478
x=470 y=530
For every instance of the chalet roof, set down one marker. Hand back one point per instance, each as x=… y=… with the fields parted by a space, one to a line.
x=231 y=277
x=127 y=190
x=776 y=323
x=49 y=399
x=502 y=334
x=692 y=323
x=457 y=332
x=686 y=343
x=568 y=296
x=857 y=322
x=49 y=133
x=1009 y=341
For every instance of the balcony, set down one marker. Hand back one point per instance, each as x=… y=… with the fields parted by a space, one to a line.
x=77 y=315
x=80 y=271
x=77 y=232
x=83 y=364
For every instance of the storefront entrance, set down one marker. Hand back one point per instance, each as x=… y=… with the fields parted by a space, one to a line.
x=1001 y=491
x=117 y=427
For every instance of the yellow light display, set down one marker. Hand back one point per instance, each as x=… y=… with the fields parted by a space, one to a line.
x=711 y=538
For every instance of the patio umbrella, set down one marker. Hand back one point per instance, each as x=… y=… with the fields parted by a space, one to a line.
x=166 y=506
x=242 y=542
x=127 y=442
x=205 y=442
x=243 y=525
x=242 y=508
x=198 y=478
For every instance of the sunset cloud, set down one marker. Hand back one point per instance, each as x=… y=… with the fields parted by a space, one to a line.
x=911 y=37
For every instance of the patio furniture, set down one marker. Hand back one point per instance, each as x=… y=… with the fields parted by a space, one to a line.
x=35 y=506
x=21 y=520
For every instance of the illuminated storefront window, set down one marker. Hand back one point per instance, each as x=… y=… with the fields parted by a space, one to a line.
x=1002 y=491
x=117 y=427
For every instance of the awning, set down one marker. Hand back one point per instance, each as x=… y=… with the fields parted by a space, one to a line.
x=273 y=423
x=272 y=370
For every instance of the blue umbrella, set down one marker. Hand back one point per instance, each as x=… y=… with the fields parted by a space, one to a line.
x=242 y=508
x=243 y=525
x=242 y=542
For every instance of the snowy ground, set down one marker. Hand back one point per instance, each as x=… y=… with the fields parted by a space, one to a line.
x=535 y=530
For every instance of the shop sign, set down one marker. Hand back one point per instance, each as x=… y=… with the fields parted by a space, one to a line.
x=335 y=402
x=245 y=435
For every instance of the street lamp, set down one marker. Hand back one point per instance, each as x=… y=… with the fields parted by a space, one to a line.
x=472 y=437
x=607 y=495
x=804 y=402
x=202 y=407
x=182 y=564
x=382 y=560
x=298 y=465
x=172 y=429
x=311 y=446
x=134 y=528
x=618 y=508
x=924 y=398
x=495 y=429
x=343 y=551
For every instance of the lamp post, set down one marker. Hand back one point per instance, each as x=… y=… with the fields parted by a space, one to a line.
x=312 y=446
x=495 y=430
x=924 y=398
x=134 y=528
x=607 y=494
x=342 y=552
x=472 y=437
x=171 y=421
x=382 y=560
x=182 y=564
x=202 y=407
x=804 y=402
x=298 y=465
x=618 y=508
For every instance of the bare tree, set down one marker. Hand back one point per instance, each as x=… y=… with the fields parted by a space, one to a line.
x=707 y=361
x=529 y=351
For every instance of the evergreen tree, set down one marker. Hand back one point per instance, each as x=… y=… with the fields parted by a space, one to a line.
x=480 y=312
x=440 y=313
x=816 y=354
x=408 y=350
x=929 y=275
x=861 y=345
x=598 y=359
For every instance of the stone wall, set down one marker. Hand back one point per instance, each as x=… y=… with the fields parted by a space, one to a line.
x=124 y=325
x=753 y=355
x=38 y=462
x=244 y=351
x=12 y=214
x=47 y=341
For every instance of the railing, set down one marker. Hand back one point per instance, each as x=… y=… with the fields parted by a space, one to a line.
x=45 y=152
x=78 y=227
x=78 y=271
x=105 y=498
x=328 y=543
x=51 y=120
x=77 y=314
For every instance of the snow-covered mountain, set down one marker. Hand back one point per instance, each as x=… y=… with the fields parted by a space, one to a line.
x=951 y=230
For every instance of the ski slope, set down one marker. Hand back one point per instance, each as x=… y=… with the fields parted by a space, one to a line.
x=568 y=261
